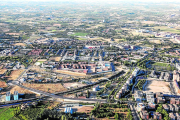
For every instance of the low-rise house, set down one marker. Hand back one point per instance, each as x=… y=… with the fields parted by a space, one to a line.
x=171 y=108
x=151 y=106
x=161 y=100
x=96 y=88
x=175 y=101
x=159 y=94
x=138 y=96
x=144 y=115
x=176 y=107
x=172 y=116
x=166 y=107
x=177 y=116
x=157 y=116
x=140 y=106
x=150 y=97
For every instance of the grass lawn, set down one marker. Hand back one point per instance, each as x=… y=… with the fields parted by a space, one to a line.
x=8 y=114
x=2 y=109
x=167 y=29
x=160 y=64
x=79 y=34
x=82 y=39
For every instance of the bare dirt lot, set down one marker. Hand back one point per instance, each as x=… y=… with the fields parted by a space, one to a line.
x=155 y=41
x=2 y=84
x=70 y=73
x=20 y=44
x=57 y=59
x=51 y=88
x=74 y=85
x=85 y=109
x=157 y=86
x=20 y=90
x=2 y=71
x=15 y=74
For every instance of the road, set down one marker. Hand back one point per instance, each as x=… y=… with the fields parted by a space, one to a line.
x=134 y=112
x=58 y=97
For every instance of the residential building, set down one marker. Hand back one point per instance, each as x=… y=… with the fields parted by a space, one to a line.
x=140 y=106
x=8 y=96
x=160 y=100
x=16 y=96
x=157 y=116
x=172 y=116
x=96 y=88
x=176 y=107
x=151 y=106
x=68 y=110
x=166 y=107
x=175 y=101
x=171 y=108
x=138 y=96
x=144 y=115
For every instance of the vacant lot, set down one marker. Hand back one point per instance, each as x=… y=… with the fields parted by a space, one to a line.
x=74 y=85
x=20 y=44
x=20 y=90
x=157 y=86
x=57 y=59
x=70 y=73
x=51 y=88
x=15 y=74
x=155 y=41
x=85 y=109
x=2 y=71
x=2 y=84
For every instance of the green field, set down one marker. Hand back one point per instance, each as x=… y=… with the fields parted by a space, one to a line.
x=79 y=34
x=82 y=39
x=160 y=64
x=8 y=114
x=166 y=29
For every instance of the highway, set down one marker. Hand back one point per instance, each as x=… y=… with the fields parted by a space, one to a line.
x=59 y=97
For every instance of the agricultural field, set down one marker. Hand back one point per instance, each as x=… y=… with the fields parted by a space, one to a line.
x=112 y=111
x=6 y=114
x=51 y=88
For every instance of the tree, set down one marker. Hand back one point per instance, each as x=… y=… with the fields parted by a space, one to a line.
x=88 y=94
x=116 y=116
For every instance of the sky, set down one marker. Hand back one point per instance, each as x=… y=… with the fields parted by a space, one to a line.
x=95 y=0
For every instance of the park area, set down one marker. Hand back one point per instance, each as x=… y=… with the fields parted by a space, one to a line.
x=154 y=85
